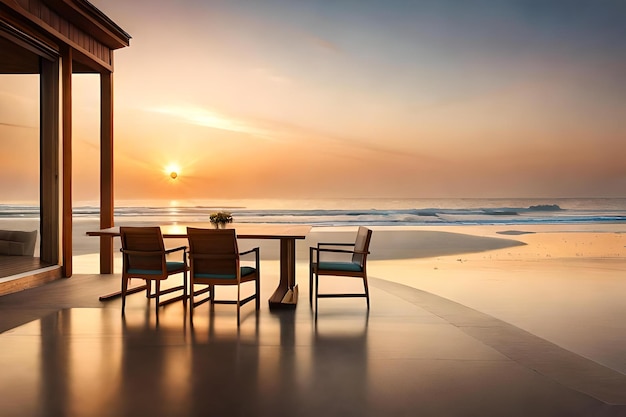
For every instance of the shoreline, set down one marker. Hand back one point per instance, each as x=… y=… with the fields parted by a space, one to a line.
x=597 y=240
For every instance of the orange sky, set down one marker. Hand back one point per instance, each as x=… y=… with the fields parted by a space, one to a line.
x=351 y=99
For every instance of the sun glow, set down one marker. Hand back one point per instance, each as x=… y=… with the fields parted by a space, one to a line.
x=172 y=170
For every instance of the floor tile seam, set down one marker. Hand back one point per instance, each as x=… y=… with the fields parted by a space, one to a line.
x=617 y=395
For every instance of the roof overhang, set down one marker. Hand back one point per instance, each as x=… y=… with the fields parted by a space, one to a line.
x=93 y=21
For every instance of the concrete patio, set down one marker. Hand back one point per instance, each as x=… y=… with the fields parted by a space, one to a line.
x=415 y=353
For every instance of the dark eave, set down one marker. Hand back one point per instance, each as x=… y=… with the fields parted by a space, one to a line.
x=90 y=19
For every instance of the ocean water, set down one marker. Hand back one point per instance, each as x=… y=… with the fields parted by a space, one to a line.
x=349 y=212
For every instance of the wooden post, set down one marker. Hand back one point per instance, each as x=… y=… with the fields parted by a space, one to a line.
x=49 y=161
x=106 y=170
x=66 y=103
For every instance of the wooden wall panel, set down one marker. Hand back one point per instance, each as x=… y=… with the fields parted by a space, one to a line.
x=69 y=32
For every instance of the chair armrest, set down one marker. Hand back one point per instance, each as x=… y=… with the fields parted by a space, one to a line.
x=168 y=251
x=338 y=251
x=318 y=253
x=256 y=259
x=142 y=252
x=250 y=251
x=151 y=252
x=209 y=256
x=320 y=244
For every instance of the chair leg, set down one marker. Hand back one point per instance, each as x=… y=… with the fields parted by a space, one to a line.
x=257 y=283
x=311 y=285
x=191 y=300
x=367 y=292
x=157 y=288
x=124 y=289
x=317 y=287
x=238 y=303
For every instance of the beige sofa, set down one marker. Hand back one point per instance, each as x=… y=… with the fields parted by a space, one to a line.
x=17 y=243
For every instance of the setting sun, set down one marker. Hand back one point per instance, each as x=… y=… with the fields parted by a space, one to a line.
x=172 y=170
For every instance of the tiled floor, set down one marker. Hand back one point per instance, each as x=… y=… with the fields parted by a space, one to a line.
x=64 y=353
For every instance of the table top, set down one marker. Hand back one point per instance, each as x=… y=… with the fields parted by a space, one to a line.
x=244 y=230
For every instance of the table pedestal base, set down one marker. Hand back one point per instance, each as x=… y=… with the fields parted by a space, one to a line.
x=286 y=295
x=284 y=298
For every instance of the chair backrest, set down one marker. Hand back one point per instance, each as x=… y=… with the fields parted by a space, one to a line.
x=219 y=244
x=362 y=244
x=143 y=239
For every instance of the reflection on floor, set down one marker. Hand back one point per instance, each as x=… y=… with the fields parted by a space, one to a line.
x=413 y=354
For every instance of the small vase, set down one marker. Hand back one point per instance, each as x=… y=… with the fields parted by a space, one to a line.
x=220 y=225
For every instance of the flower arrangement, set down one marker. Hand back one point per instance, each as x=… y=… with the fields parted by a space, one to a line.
x=221 y=218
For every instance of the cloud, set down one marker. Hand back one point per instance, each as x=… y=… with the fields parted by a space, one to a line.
x=19 y=110
x=271 y=75
x=325 y=45
x=203 y=117
x=16 y=125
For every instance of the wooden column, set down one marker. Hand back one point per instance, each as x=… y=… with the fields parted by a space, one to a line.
x=49 y=161
x=106 y=170
x=66 y=109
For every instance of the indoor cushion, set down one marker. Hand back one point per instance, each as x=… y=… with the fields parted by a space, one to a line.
x=8 y=247
x=18 y=242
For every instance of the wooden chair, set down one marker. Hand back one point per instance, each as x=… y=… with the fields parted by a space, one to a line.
x=144 y=256
x=215 y=260
x=355 y=267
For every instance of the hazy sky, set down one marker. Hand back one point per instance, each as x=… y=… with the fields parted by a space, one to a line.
x=362 y=98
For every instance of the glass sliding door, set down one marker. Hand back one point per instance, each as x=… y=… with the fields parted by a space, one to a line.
x=29 y=154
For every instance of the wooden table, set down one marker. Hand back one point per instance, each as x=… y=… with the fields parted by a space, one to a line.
x=286 y=295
